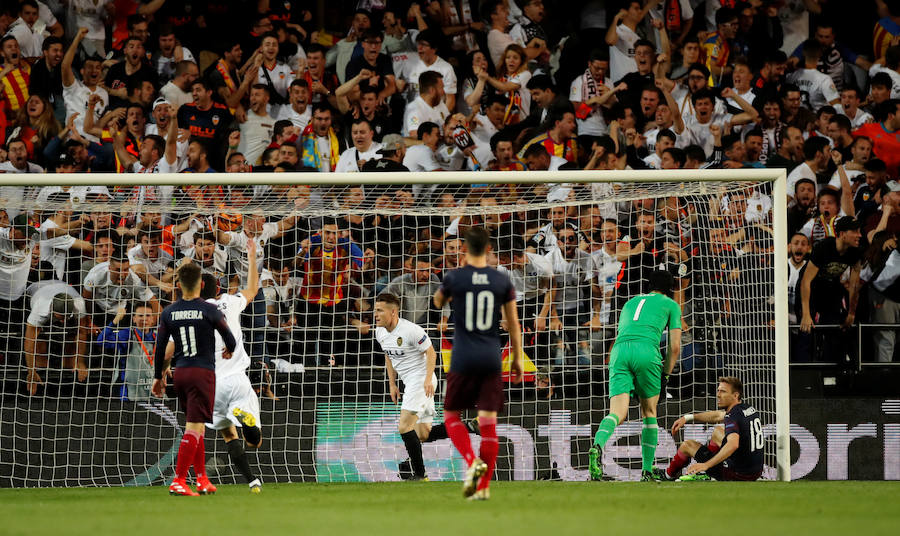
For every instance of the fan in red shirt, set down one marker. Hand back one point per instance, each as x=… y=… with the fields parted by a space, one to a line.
x=885 y=134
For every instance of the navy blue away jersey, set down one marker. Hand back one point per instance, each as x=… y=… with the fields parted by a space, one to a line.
x=192 y=325
x=478 y=294
x=743 y=420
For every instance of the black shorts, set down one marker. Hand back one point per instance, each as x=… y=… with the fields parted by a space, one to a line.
x=196 y=389
x=720 y=472
x=467 y=391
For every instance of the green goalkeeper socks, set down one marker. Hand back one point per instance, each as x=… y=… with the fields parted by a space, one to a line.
x=649 y=438
x=607 y=426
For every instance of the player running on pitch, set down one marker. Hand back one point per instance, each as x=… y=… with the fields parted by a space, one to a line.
x=408 y=353
x=636 y=366
x=735 y=451
x=191 y=323
x=478 y=295
x=236 y=401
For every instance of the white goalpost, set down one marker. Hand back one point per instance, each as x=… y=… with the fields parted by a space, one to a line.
x=577 y=244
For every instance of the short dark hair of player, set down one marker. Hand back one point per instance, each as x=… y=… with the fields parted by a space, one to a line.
x=210 y=287
x=535 y=149
x=477 y=239
x=426 y=128
x=280 y=125
x=387 y=297
x=825 y=110
x=735 y=383
x=202 y=83
x=886 y=108
x=205 y=234
x=300 y=82
x=842 y=122
x=542 y=82
x=119 y=253
x=882 y=80
x=804 y=181
x=704 y=93
x=666 y=133
x=661 y=281
x=188 y=276
x=814 y=145
x=725 y=15
x=330 y=220
x=428 y=80
x=153 y=233
x=50 y=41
x=875 y=165
x=677 y=155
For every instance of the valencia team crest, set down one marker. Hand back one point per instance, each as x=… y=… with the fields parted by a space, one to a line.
x=215 y=120
x=399 y=341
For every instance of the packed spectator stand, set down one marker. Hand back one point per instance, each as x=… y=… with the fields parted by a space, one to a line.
x=236 y=86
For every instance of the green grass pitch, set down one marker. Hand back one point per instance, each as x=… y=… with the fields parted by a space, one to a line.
x=430 y=508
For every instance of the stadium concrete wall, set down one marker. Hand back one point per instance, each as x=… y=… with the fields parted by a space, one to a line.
x=102 y=442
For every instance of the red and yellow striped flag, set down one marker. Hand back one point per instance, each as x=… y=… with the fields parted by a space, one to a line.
x=15 y=88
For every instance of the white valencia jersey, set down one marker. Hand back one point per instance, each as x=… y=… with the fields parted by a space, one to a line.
x=231 y=305
x=405 y=346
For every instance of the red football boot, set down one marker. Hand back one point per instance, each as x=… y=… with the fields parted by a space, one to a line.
x=180 y=487
x=204 y=486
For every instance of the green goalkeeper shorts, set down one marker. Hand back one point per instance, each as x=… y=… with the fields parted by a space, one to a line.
x=636 y=367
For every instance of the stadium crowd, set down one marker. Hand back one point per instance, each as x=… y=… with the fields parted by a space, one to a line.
x=153 y=86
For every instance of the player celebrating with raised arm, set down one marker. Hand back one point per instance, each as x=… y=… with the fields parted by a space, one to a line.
x=236 y=401
x=192 y=323
x=408 y=353
x=636 y=366
x=735 y=451
x=478 y=293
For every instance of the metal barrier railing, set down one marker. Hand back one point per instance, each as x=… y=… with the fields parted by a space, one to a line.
x=857 y=360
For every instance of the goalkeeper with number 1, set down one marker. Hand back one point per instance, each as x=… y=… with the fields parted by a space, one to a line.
x=636 y=366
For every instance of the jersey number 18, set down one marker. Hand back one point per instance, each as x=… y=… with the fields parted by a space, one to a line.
x=479 y=310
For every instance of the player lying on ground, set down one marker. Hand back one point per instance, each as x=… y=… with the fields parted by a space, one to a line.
x=192 y=323
x=636 y=366
x=408 y=353
x=236 y=402
x=735 y=451
x=478 y=295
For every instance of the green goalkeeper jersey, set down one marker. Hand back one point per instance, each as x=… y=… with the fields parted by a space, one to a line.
x=645 y=316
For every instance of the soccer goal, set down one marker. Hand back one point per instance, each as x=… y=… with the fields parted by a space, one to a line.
x=576 y=244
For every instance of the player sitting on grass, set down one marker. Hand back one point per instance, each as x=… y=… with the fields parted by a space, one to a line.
x=236 y=401
x=192 y=323
x=636 y=366
x=408 y=353
x=478 y=293
x=735 y=451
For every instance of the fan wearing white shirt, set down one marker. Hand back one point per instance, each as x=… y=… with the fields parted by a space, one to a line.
x=76 y=93
x=26 y=30
x=421 y=157
x=410 y=355
x=697 y=125
x=849 y=106
x=428 y=60
x=299 y=112
x=256 y=130
x=622 y=35
x=17 y=153
x=665 y=139
x=363 y=150
x=816 y=156
x=817 y=88
x=428 y=106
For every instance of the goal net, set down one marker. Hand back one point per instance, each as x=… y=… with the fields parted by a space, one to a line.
x=76 y=408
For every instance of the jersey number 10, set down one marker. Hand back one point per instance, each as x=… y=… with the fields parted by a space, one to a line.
x=479 y=310
x=188 y=341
